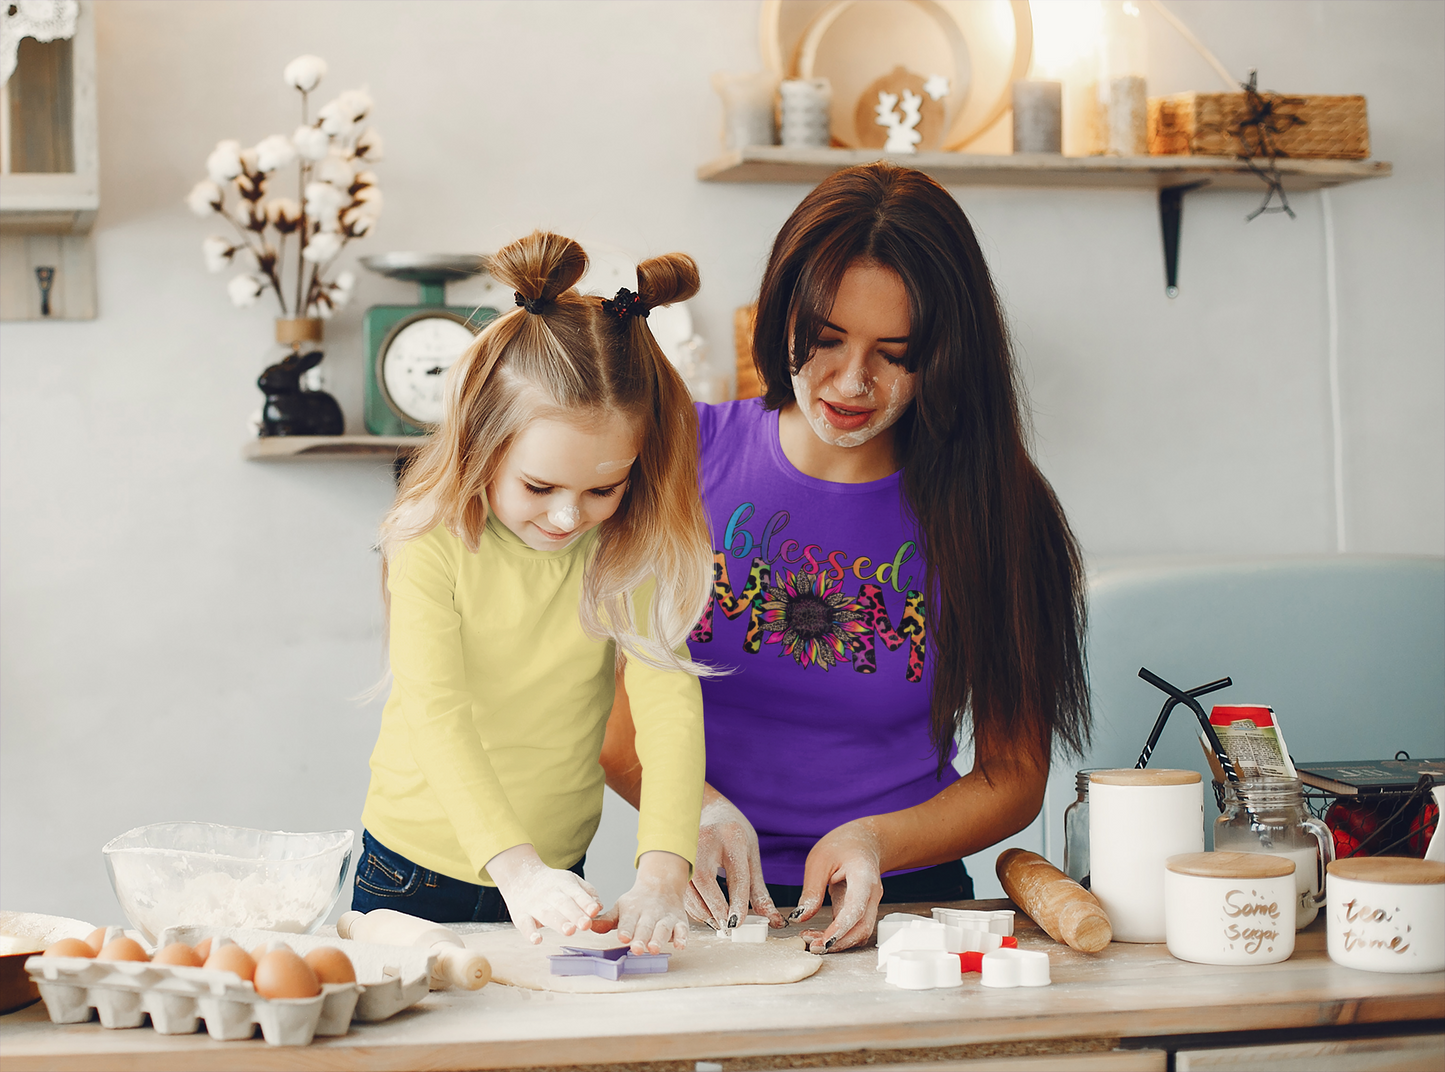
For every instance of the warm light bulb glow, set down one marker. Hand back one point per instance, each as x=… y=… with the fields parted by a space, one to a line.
x=1066 y=34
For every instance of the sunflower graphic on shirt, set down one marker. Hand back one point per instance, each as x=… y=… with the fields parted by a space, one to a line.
x=813 y=621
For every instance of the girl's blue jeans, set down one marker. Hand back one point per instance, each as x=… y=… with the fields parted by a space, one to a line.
x=387 y=879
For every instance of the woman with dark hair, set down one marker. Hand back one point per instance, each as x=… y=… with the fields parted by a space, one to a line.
x=892 y=571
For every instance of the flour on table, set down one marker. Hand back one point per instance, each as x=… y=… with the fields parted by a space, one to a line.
x=708 y=960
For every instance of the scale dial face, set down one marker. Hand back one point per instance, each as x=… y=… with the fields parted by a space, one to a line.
x=413 y=361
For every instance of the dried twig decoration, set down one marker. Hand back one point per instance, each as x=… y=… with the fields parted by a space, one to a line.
x=1258 y=132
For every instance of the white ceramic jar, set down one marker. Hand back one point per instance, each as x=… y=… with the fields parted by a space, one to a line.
x=1230 y=907
x=1386 y=914
x=1137 y=820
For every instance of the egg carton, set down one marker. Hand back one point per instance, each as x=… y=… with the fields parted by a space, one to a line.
x=177 y=999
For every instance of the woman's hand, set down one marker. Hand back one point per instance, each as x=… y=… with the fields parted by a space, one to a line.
x=726 y=840
x=538 y=895
x=651 y=914
x=846 y=863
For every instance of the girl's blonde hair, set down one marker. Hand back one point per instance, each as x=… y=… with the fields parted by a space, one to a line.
x=571 y=360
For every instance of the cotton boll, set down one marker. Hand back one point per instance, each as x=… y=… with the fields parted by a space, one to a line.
x=322 y=247
x=324 y=203
x=249 y=216
x=369 y=145
x=358 y=220
x=217 y=252
x=340 y=116
x=274 y=152
x=204 y=198
x=224 y=163
x=305 y=72
x=284 y=214
x=322 y=197
x=244 y=290
x=337 y=170
x=371 y=197
x=312 y=143
x=340 y=291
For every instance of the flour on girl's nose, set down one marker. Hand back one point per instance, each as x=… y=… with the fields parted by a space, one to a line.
x=565 y=518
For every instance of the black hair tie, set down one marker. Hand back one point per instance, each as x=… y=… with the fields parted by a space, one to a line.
x=625 y=304
x=532 y=305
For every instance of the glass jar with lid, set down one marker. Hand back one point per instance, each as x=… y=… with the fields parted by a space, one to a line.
x=1076 y=830
x=1268 y=815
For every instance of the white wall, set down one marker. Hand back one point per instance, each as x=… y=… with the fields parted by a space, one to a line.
x=181 y=631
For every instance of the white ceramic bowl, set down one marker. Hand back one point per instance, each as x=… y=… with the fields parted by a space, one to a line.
x=204 y=874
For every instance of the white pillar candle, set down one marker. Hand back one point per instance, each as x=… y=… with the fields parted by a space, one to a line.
x=747 y=101
x=1038 y=117
x=1137 y=820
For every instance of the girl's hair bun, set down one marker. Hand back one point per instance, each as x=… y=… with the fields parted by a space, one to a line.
x=542 y=265
x=663 y=280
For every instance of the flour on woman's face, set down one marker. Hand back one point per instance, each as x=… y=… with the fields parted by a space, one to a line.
x=855 y=386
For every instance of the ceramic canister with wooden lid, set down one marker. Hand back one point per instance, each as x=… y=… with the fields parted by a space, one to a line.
x=1230 y=907
x=1387 y=914
x=1137 y=820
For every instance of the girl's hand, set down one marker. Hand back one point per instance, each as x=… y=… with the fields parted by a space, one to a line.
x=845 y=863
x=728 y=841
x=650 y=915
x=538 y=895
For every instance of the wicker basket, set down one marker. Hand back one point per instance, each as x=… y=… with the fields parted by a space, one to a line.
x=1208 y=124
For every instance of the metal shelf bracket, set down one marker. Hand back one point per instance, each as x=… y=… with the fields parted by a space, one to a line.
x=1171 y=214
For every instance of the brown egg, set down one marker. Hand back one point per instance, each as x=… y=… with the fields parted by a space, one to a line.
x=70 y=947
x=122 y=948
x=203 y=949
x=232 y=958
x=258 y=952
x=282 y=974
x=331 y=965
x=180 y=954
x=96 y=939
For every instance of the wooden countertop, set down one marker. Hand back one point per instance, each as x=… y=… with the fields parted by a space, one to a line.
x=1127 y=991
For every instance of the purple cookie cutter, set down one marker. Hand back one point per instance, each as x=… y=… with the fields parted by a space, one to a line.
x=607 y=963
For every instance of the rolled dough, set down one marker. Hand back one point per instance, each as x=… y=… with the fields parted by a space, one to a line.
x=708 y=960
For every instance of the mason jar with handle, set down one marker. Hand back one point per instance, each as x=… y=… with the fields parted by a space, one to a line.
x=1268 y=815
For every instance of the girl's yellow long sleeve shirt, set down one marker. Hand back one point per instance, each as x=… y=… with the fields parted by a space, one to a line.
x=491 y=735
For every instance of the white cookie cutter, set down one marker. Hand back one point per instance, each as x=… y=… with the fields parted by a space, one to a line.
x=924 y=969
x=1015 y=967
x=910 y=934
x=751 y=929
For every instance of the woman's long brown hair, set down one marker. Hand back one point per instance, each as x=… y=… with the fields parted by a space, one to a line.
x=1004 y=582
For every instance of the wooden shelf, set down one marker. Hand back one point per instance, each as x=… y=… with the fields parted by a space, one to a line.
x=776 y=163
x=284 y=448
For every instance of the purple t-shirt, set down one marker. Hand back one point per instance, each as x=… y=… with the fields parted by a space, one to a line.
x=817 y=607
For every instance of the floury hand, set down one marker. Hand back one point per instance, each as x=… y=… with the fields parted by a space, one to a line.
x=538 y=895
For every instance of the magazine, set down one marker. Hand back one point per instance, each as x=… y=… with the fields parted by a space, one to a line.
x=1253 y=740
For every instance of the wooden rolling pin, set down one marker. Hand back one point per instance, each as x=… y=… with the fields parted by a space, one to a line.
x=1068 y=912
x=456 y=965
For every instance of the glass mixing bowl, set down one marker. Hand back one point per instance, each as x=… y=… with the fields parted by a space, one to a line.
x=205 y=874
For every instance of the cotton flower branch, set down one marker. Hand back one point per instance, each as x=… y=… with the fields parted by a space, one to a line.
x=337 y=200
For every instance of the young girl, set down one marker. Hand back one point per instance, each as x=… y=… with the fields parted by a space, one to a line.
x=561 y=483
x=892 y=571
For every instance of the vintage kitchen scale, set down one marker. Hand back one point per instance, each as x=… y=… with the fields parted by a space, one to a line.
x=410 y=347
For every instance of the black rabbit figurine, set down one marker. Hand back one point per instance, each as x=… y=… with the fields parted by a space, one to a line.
x=291 y=409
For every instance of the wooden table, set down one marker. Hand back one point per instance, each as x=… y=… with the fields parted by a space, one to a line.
x=1131 y=996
